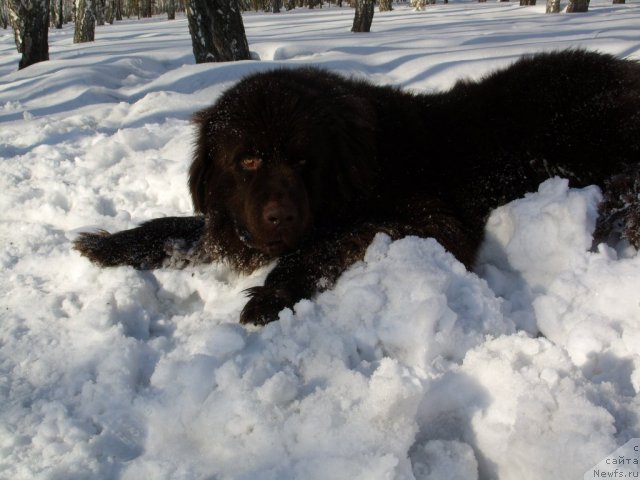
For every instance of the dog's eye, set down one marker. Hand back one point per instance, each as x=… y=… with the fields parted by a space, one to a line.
x=251 y=163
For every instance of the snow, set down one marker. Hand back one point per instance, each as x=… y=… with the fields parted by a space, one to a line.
x=411 y=367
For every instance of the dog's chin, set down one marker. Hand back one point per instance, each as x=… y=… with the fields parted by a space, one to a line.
x=275 y=248
x=278 y=244
x=273 y=243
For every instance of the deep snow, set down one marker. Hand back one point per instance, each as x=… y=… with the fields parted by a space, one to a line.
x=411 y=367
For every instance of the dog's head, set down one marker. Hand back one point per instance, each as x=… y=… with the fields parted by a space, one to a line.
x=281 y=152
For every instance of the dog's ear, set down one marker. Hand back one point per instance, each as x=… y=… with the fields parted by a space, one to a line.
x=203 y=160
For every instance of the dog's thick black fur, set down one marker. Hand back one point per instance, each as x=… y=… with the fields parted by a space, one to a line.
x=306 y=166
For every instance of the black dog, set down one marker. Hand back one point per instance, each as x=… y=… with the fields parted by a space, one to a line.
x=306 y=166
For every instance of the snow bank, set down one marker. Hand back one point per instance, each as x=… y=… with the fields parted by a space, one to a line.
x=331 y=390
x=410 y=368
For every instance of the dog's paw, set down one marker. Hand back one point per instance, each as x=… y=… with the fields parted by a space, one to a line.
x=95 y=246
x=264 y=305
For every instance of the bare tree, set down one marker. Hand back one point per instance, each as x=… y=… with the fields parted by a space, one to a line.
x=99 y=11
x=30 y=22
x=145 y=8
x=385 y=5
x=4 y=15
x=577 y=6
x=171 y=10
x=217 y=31
x=117 y=9
x=364 y=16
x=59 y=13
x=85 y=29
x=109 y=11
x=553 y=6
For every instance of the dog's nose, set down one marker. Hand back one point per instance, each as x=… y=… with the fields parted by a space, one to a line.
x=279 y=213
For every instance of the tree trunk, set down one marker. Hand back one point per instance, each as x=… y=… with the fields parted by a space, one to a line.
x=30 y=22
x=145 y=8
x=277 y=4
x=60 y=15
x=217 y=31
x=553 y=6
x=577 y=6
x=4 y=15
x=99 y=6
x=364 y=16
x=385 y=5
x=527 y=3
x=85 y=30
x=117 y=10
x=109 y=13
x=618 y=1
x=171 y=10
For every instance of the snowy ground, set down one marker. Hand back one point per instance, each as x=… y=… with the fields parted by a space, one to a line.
x=410 y=367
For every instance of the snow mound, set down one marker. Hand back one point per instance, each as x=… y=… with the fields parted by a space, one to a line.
x=353 y=364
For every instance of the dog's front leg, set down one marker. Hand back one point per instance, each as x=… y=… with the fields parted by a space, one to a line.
x=317 y=266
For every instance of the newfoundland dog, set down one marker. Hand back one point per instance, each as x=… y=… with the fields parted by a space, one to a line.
x=306 y=166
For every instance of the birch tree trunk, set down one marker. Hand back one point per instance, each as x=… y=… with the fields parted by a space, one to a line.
x=577 y=6
x=99 y=6
x=85 y=30
x=364 y=16
x=385 y=5
x=217 y=31
x=60 y=15
x=30 y=22
x=553 y=6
